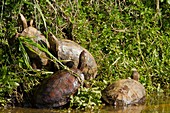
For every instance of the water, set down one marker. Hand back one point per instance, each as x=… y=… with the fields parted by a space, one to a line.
x=155 y=103
x=159 y=103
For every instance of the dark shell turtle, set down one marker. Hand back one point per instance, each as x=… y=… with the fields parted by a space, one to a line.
x=56 y=90
x=125 y=91
x=38 y=57
x=65 y=49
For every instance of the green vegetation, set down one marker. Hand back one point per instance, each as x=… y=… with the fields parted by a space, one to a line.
x=120 y=34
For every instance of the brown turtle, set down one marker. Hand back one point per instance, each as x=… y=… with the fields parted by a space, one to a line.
x=125 y=91
x=56 y=90
x=65 y=49
x=38 y=58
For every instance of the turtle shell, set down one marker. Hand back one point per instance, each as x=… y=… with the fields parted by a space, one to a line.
x=56 y=90
x=38 y=57
x=124 y=92
x=68 y=50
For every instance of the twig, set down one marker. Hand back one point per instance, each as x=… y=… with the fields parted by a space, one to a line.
x=157 y=6
x=120 y=30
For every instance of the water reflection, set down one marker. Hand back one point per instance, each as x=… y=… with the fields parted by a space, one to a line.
x=159 y=103
x=162 y=108
x=27 y=110
x=128 y=109
x=155 y=103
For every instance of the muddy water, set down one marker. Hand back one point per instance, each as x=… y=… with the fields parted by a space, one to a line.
x=159 y=103
x=155 y=103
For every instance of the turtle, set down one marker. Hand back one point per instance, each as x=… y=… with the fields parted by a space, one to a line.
x=65 y=49
x=125 y=92
x=55 y=91
x=37 y=57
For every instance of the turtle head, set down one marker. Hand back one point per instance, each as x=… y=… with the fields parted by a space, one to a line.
x=54 y=43
x=24 y=21
x=82 y=59
x=135 y=74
